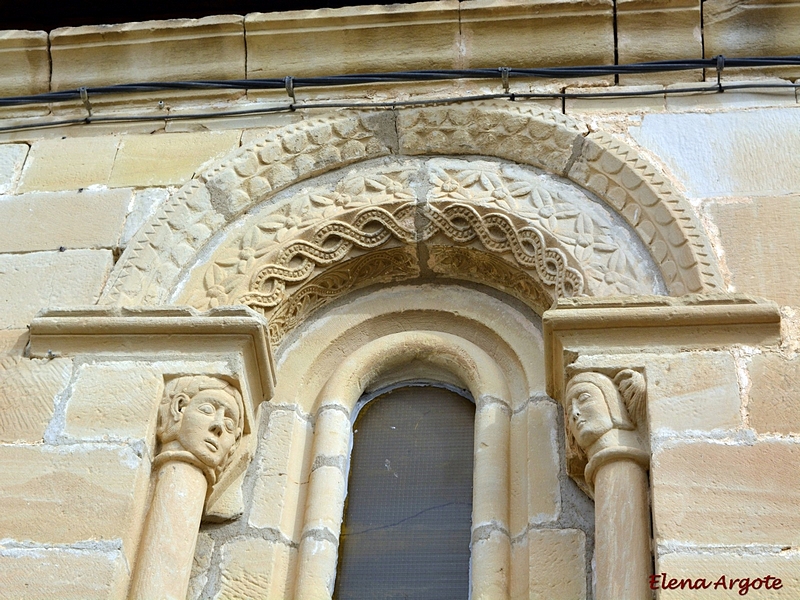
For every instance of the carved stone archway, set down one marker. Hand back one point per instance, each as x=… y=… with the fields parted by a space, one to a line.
x=164 y=249
x=512 y=228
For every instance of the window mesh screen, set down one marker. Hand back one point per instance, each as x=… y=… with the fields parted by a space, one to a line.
x=408 y=514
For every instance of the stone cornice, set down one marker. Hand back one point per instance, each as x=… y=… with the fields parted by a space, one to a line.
x=447 y=34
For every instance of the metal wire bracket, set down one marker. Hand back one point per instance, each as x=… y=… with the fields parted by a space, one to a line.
x=85 y=98
x=504 y=75
x=720 y=67
x=288 y=82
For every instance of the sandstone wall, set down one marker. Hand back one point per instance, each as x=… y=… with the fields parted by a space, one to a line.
x=77 y=438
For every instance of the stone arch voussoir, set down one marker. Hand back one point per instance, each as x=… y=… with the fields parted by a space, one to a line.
x=524 y=133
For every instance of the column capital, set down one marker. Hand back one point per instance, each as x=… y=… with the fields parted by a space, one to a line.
x=192 y=350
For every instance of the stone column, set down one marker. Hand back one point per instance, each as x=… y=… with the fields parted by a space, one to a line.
x=327 y=487
x=602 y=419
x=200 y=422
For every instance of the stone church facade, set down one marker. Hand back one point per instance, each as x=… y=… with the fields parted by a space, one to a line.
x=610 y=279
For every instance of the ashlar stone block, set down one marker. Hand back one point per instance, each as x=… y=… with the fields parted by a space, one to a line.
x=739 y=28
x=557 y=563
x=542 y=33
x=68 y=163
x=761 y=245
x=255 y=568
x=423 y=35
x=73 y=493
x=114 y=401
x=650 y=30
x=693 y=391
x=167 y=158
x=721 y=493
x=12 y=157
x=26 y=63
x=86 y=574
x=29 y=282
x=174 y=50
x=49 y=221
x=742 y=153
x=28 y=390
x=544 y=493
x=282 y=476
x=774 y=405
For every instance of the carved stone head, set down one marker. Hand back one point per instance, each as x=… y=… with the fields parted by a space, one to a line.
x=204 y=416
x=596 y=405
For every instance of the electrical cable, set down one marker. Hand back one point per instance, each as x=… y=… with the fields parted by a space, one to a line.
x=410 y=76
x=290 y=85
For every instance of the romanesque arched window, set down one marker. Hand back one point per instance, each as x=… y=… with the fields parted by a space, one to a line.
x=406 y=531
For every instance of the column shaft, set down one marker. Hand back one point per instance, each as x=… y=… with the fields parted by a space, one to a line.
x=622 y=532
x=168 y=544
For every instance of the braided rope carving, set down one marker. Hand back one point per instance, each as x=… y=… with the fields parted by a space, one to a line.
x=374 y=226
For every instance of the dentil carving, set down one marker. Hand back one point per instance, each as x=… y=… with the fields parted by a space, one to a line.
x=200 y=421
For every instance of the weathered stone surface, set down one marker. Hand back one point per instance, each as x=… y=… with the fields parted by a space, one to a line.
x=174 y=50
x=49 y=221
x=68 y=494
x=423 y=35
x=556 y=563
x=13 y=341
x=28 y=389
x=168 y=158
x=518 y=33
x=12 y=156
x=760 y=242
x=753 y=28
x=145 y=204
x=26 y=63
x=29 y=282
x=774 y=405
x=733 y=565
x=649 y=103
x=544 y=494
x=202 y=561
x=755 y=97
x=68 y=163
x=115 y=400
x=716 y=493
x=255 y=568
x=692 y=391
x=724 y=154
x=282 y=476
x=63 y=573
x=650 y=30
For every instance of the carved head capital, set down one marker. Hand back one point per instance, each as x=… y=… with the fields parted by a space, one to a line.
x=204 y=417
x=596 y=405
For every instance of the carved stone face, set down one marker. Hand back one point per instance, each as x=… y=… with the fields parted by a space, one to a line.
x=208 y=427
x=589 y=417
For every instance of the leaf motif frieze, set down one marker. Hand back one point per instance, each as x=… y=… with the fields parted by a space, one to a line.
x=159 y=263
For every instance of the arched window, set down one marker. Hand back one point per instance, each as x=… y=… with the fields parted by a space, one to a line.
x=406 y=531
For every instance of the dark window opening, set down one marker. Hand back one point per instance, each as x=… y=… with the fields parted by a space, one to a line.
x=408 y=514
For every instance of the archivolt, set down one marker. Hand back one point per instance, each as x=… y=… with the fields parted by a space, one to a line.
x=155 y=259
